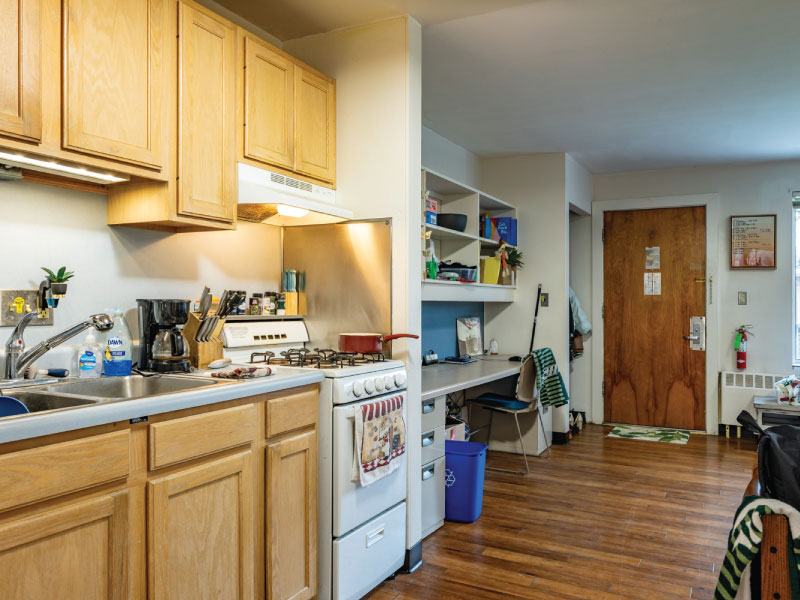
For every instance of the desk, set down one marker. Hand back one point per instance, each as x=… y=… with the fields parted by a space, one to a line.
x=446 y=378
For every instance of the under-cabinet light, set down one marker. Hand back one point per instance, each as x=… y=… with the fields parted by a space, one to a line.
x=291 y=211
x=19 y=160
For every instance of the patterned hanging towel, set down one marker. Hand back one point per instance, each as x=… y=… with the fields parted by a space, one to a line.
x=380 y=439
x=552 y=391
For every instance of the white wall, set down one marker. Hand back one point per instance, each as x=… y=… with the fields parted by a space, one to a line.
x=743 y=189
x=443 y=156
x=378 y=127
x=49 y=226
x=535 y=184
x=578 y=187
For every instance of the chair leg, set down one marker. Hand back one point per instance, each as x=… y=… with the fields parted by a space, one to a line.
x=521 y=443
x=544 y=433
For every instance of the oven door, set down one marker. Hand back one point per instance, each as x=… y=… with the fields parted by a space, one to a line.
x=352 y=503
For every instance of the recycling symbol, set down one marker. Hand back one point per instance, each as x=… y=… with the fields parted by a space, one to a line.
x=450 y=478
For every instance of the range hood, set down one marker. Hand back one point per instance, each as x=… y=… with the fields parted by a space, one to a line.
x=277 y=199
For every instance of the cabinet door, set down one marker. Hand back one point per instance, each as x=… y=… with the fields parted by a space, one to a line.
x=207 y=96
x=291 y=517
x=200 y=532
x=20 y=71
x=78 y=551
x=113 y=78
x=269 y=105
x=315 y=125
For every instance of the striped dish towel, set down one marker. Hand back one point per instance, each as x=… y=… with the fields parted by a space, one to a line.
x=380 y=439
x=552 y=391
x=744 y=542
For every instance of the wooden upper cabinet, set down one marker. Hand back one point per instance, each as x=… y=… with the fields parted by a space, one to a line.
x=20 y=70
x=315 y=125
x=113 y=59
x=206 y=115
x=75 y=551
x=200 y=539
x=291 y=517
x=269 y=104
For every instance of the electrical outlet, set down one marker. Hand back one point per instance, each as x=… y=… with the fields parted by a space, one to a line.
x=545 y=300
x=15 y=304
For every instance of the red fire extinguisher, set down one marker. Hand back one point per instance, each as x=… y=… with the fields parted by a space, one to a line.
x=740 y=345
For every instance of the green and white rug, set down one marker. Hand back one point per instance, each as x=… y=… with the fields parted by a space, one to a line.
x=650 y=434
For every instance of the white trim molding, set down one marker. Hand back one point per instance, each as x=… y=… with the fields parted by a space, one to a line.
x=711 y=202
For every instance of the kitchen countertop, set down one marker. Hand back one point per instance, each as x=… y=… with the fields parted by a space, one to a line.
x=447 y=378
x=46 y=423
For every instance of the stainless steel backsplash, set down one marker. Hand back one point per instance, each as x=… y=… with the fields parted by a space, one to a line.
x=348 y=269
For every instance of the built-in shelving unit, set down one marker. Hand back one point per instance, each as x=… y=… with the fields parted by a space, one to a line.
x=466 y=247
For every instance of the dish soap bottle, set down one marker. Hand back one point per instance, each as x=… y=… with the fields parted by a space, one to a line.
x=118 y=358
x=89 y=358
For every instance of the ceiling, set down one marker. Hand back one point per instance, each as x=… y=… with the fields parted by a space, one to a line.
x=619 y=84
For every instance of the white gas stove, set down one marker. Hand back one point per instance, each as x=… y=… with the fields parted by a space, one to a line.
x=361 y=529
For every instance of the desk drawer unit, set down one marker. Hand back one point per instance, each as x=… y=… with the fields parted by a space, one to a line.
x=433 y=412
x=432 y=445
x=433 y=490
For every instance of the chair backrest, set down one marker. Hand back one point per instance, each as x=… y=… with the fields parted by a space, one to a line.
x=527 y=381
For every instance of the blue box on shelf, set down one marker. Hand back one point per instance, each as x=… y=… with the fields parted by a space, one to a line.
x=430 y=217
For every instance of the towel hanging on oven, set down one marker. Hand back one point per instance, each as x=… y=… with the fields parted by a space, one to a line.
x=380 y=439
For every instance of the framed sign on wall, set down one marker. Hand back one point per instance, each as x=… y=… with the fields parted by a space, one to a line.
x=753 y=242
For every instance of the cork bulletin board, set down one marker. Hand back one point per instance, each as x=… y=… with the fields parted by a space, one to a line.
x=753 y=242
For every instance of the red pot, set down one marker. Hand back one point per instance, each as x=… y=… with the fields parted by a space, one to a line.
x=368 y=342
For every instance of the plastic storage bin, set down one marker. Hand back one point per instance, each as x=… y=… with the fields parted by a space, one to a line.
x=462 y=273
x=465 y=464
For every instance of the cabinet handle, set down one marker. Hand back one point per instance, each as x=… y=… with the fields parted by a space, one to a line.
x=428 y=472
x=376 y=536
x=428 y=406
x=427 y=439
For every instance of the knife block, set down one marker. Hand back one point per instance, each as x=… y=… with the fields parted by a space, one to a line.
x=203 y=353
x=296 y=303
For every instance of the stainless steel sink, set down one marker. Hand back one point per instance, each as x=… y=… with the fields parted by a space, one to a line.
x=75 y=394
x=133 y=386
x=39 y=402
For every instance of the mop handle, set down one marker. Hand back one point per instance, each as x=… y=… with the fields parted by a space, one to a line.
x=536 y=315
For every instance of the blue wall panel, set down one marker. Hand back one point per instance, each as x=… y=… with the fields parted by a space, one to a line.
x=439 y=325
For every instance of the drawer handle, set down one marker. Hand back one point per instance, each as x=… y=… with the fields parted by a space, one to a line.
x=428 y=406
x=428 y=472
x=427 y=439
x=376 y=536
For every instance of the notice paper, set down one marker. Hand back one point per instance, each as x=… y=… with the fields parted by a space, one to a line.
x=652 y=284
x=652 y=257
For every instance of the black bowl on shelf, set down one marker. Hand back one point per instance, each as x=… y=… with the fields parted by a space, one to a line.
x=454 y=221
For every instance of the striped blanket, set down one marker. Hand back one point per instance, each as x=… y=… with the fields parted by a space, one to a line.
x=552 y=391
x=380 y=439
x=744 y=542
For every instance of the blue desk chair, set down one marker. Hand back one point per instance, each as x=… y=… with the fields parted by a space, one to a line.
x=526 y=401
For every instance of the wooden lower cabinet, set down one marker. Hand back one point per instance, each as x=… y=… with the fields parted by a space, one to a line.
x=77 y=551
x=194 y=504
x=200 y=532
x=291 y=517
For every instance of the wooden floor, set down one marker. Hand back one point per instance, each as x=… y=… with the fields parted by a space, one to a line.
x=603 y=518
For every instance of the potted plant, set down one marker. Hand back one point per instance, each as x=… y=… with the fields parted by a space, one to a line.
x=508 y=275
x=58 y=280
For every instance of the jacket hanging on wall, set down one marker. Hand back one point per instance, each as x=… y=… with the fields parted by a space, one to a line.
x=579 y=326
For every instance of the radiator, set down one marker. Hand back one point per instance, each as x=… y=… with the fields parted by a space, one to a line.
x=736 y=391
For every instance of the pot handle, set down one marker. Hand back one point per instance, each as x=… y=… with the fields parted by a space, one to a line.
x=394 y=336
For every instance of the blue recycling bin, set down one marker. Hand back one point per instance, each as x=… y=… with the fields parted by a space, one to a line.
x=465 y=464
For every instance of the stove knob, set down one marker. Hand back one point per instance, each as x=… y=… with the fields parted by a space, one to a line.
x=388 y=382
x=379 y=384
x=369 y=386
x=358 y=389
x=400 y=379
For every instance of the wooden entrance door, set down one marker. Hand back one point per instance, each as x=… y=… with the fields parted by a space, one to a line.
x=651 y=376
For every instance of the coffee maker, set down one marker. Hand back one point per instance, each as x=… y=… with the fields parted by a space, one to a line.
x=162 y=347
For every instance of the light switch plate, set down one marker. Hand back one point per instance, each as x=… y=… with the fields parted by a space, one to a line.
x=15 y=304
x=742 y=298
x=545 y=301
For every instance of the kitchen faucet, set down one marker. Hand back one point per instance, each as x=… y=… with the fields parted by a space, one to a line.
x=17 y=360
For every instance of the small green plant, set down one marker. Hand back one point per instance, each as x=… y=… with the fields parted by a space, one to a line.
x=514 y=257
x=61 y=276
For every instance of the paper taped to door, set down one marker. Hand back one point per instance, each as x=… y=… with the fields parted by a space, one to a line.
x=652 y=257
